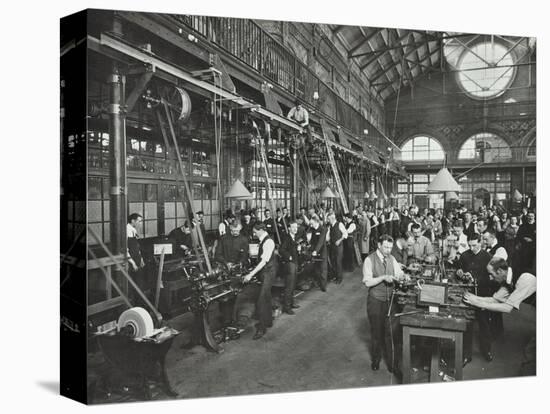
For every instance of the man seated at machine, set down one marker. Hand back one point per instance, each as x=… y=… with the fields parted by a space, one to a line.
x=233 y=247
x=455 y=243
x=181 y=239
x=422 y=248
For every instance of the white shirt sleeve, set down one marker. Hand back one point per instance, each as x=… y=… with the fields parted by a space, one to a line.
x=397 y=268
x=267 y=250
x=343 y=230
x=221 y=228
x=367 y=270
x=501 y=252
x=351 y=229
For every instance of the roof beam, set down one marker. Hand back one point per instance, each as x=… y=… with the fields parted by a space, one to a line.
x=363 y=42
x=381 y=52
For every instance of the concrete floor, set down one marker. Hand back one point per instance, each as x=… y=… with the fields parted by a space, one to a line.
x=324 y=346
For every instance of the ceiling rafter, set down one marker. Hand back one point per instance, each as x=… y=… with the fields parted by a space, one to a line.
x=364 y=41
x=381 y=52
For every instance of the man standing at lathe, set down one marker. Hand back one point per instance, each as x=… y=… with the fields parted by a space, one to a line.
x=380 y=270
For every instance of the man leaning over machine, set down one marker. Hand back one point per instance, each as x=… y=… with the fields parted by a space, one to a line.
x=509 y=297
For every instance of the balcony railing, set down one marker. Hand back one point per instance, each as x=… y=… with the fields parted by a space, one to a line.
x=248 y=42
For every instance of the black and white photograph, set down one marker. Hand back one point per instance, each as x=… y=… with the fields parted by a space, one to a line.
x=258 y=206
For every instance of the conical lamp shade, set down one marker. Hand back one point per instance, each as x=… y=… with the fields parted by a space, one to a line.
x=328 y=193
x=443 y=182
x=367 y=195
x=393 y=196
x=517 y=196
x=238 y=190
x=451 y=195
x=372 y=196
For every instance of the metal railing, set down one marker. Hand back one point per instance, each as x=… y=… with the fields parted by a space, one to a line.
x=248 y=42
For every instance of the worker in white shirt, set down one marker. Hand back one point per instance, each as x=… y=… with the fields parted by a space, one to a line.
x=266 y=269
x=456 y=243
x=336 y=234
x=300 y=115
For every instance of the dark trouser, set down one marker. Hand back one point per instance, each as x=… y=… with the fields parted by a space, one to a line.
x=336 y=254
x=483 y=318
x=290 y=284
x=349 y=255
x=320 y=270
x=385 y=332
x=497 y=325
x=263 y=305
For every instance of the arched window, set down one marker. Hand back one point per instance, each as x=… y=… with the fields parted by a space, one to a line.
x=485 y=147
x=532 y=150
x=422 y=148
x=486 y=70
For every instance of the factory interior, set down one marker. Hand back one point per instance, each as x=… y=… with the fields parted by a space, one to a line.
x=275 y=206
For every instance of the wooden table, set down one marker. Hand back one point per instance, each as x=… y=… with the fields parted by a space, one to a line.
x=439 y=326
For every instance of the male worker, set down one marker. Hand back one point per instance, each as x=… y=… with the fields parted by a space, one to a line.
x=422 y=248
x=134 y=252
x=380 y=270
x=509 y=297
x=400 y=249
x=288 y=251
x=299 y=114
x=269 y=223
x=248 y=224
x=266 y=269
x=349 y=248
x=526 y=237
x=495 y=249
x=223 y=227
x=135 y=259
x=473 y=265
x=335 y=236
x=200 y=222
x=182 y=239
x=318 y=234
x=233 y=247
x=455 y=243
x=364 y=234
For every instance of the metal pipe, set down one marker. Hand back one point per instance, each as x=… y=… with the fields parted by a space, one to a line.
x=117 y=162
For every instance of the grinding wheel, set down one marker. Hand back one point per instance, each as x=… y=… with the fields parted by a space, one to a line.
x=139 y=320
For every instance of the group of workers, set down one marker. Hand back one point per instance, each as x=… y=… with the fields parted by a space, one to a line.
x=496 y=250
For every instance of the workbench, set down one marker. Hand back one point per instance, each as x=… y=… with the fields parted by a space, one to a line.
x=436 y=325
x=450 y=322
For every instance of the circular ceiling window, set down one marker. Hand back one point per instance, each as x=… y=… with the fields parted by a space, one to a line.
x=486 y=69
